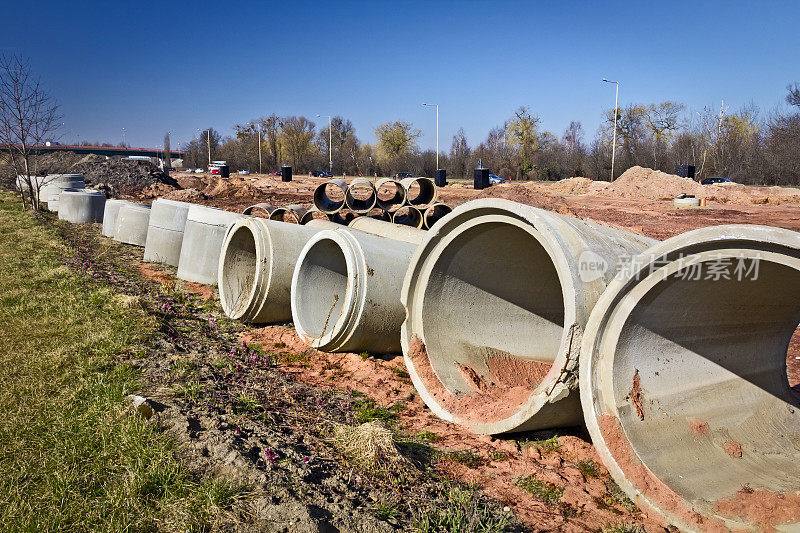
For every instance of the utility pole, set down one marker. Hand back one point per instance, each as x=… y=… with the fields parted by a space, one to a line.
x=437 y=131
x=209 y=146
x=330 y=143
x=614 y=142
x=259 y=147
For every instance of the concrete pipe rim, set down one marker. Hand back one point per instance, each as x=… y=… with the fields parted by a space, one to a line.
x=361 y=205
x=313 y=214
x=434 y=213
x=238 y=304
x=295 y=213
x=424 y=266
x=427 y=194
x=408 y=215
x=268 y=208
x=312 y=321
x=615 y=427
x=322 y=200
x=397 y=200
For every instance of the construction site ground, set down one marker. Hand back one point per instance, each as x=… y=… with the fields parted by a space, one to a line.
x=259 y=404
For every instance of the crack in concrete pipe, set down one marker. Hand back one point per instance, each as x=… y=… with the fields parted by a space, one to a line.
x=497 y=296
x=408 y=215
x=130 y=225
x=356 y=199
x=389 y=230
x=80 y=206
x=434 y=212
x=256 y=266
x=165 y=231
x=390 y=194
x=322 y=197
x=346 y=291
x=110 y=213
x=201 y=247
x=291 y=214
x=420 y=192
x=683 y=379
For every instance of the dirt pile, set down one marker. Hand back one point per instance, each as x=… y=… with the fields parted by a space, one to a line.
x=125 y=176
x=186 y=195
x=231 y=189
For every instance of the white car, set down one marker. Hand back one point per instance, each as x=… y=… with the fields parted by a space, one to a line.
x=244 y=172
x=198 y=171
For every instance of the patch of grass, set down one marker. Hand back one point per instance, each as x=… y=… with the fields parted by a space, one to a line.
x=617 y=496
x=294 y=358
x=500 y=456
x=400 y=372
x=467 y=458
x=429 y=436
x=364 y=355
x=385 y=510
x=458 y=511
x=544 y=490
x=622 y=528
x=548 y=445
x=588 y=468
x=247 y=404
x=71 y=457
x=367 y=410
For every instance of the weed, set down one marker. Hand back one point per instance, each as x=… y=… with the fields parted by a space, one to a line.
x=428 y=436
x=588 y=468
x=385 y=510
x=544 y=490
x=364 y=355
x=400 y=372
x=621 y=528
x=467 y=458
x=246 y=404
x=458 y=510
x=367 y=410
x=500 y=456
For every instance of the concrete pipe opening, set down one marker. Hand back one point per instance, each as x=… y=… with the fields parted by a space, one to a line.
x=256 y=266
x=313 y=214
x=420 y=191
x=361 y=196
x=496 y=306
x=391 y=194
x=259 y=210
x=291 y=214
x=408 y=215
x=435 y=212
x=330 y=196
x=684 y=384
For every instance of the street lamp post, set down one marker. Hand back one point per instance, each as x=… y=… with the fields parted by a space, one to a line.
x=123 y=137
x=209 y=147
x=259 y=147
x=614 y=142
x=330 y=143
x=437 y=131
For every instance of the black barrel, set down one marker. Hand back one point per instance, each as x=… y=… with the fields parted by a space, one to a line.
x=685 y=171
x=481 y=178
x=286 y=173
x=224 y=171
x=440 y=178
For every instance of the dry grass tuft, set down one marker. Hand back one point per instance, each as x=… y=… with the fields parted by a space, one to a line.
x=369 y=445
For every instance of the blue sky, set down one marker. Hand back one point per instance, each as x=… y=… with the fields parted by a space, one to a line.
x=153 y=67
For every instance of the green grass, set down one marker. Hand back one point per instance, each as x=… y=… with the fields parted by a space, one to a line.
x=467 y=458
x=588 y=468
x=367 y=410
x=544 y=490
x=70 y=456
x=458 y=511
x=622 y=528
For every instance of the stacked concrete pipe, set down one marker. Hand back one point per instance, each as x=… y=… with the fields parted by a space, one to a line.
x=683 y=379
x=81 y=205
x=291 y=214
x=323 y=196
x=313 y=214
x=165 y=231
x=253 y=210
x=255 y=268
x=203 y=236
x=389 y=230
x=346 y=291
x=131 y=224
x=420 y=192
x=57 y=183
x=390 y=194
x=408 y=215
x=361 y=196
x=110 y=212
x=434 y=212
x=497 y=297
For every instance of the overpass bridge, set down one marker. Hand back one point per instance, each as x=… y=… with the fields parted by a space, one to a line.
x=110 y=151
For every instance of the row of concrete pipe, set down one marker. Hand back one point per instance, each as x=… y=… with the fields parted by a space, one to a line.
x=513 y=318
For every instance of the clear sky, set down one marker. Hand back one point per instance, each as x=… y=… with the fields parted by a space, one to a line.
x=152 y=67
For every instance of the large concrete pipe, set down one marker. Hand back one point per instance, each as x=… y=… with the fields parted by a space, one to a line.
x=313 y=213
x=346 y=291
x=683 y=379
x=257 y=209
x=203 y=236
x=330 y=196
x=434 y=212
x=255 y=268
x=389 y=230
x=131 y=224
x=361 y=196
x=110 y=212
x=22 y=182
x=408 y=215
x=390 y=194
x=420 y=192
x=165 y=231
x=292 y=214
x=497 y=297
x=81 y=205
x=323 y=223
x=58 y=183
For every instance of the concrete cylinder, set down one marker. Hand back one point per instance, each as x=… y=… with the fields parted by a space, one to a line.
x=420 y=192
x=313 y=214
x=435 y=212
x=291 y=214
x=255 y=268
x=110 y=212
x=203 y=236
x=408 y=215
x=330 y=196
x=81 y=205
x=165 y=231
x=497 y=297
x=131 y=224
x=323 y=223
x=346 y=292
x=257 y=210
x=390 y=194
x=57 y=183
x=22 y=182
x=683 y=379
x=361 y=196
x=389 y=230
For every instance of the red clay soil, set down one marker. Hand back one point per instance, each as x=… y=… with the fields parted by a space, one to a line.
x=698 y=427
x=635 y=395
x=793 y=362
x=151 y=272
x=762 y=508
x=502 y=461
x=733 y=448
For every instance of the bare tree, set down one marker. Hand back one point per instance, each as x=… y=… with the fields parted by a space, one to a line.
x=793 y=98
x=28 y=117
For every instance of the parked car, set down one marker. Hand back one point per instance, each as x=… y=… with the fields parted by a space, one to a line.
x=494 y=179
x=326 y=174
x=713 y=180
x=402 y=175
x=216 y=170
x=198 y=171
x=244 y=172
x=189 y=170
